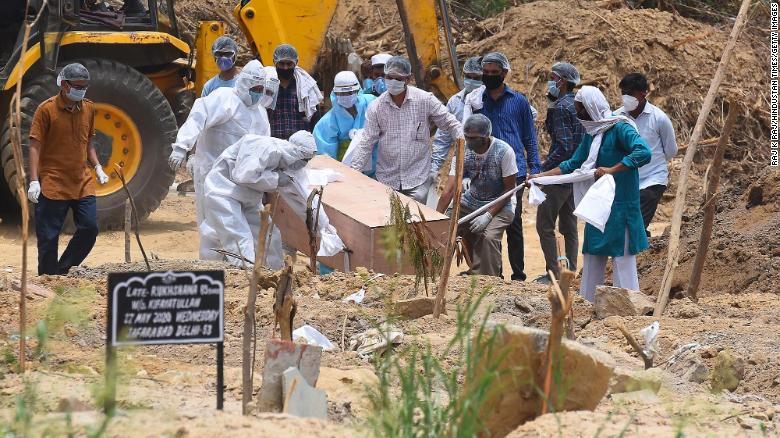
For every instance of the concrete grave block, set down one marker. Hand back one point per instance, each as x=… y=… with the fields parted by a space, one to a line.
x=617 y=301
x=279 y=356
x=302 y=400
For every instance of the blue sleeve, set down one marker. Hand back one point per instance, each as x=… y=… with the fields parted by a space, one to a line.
x=579 y=157
x=631 y=142
x=208 y=87
x=528 y=132
x=326 y=135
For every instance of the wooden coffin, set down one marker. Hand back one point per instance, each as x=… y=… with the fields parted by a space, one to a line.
x=359 y=208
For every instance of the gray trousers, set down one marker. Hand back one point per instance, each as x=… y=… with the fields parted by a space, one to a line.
x=558 y=205
x=485 y=248
x=623 y=272
x=419 y=193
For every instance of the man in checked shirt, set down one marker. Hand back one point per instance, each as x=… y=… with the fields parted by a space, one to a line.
x=565 y=135
x=399 y=120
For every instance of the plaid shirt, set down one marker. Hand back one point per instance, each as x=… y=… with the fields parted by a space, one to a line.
x=564 y=129
x=403 y=134
x=285 y=119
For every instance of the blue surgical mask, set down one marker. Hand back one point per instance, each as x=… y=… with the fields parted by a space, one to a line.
x=225 y=63
x=255 y=96
x=552 y=89
x=368 y=85
x=471 y=84
x=379 y=85
x=76 y=95
x=347 y=101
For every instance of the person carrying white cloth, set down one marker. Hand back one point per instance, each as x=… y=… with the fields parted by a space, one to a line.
x=612 y=148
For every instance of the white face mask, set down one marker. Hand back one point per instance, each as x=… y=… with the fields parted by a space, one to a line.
x=347 y=101
x=394 y=86
x=630 y=103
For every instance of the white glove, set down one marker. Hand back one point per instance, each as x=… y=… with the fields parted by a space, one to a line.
x=177 y=157
x=101 y=176
x=352 y=133
x=481 y=222
x=191 y=165
x=466 y=183
x=34 y=191
x=284 y=179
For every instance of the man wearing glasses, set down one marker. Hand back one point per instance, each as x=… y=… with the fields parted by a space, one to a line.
x=60 y=180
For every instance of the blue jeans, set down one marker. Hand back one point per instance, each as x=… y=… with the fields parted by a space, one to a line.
x=49 y=217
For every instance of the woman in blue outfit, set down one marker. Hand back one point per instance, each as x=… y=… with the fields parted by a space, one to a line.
x=336 y=128
x=618 y=150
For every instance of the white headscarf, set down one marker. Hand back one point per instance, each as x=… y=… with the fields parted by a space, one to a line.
x=597 y=107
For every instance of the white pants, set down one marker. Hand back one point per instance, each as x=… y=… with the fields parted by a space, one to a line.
x=623 y=272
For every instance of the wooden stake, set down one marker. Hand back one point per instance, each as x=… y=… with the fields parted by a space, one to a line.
x=635 y=345
x=15 y=118
x=709 y=204
x=682 y=184
x=560 y=305
x=121 y=176
x=438 y=305
x=567 y=276
x=312 y=223
x=128 y=226
x=247 y=361
x=284 y=303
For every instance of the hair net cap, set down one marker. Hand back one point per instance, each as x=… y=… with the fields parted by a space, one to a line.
x=345 y=81
x=380 y=58
x=496 y=58
x=285 y=52
x=224 y=44
x=478 y=124
x=398 y=65
x=73 y=72
x=567 y=72
x=473 y=65
x=306 y=146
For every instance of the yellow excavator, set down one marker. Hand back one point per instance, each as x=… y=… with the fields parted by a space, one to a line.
x=145 y=75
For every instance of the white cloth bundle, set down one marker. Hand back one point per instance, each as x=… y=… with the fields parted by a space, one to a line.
x=349 y=155
x=309 y=95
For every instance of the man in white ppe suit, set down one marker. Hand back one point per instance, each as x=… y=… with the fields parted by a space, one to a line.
x=234 y=191
x=221 y=119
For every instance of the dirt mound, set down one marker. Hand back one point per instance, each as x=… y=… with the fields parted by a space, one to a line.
x=745 y=246
x=678 y=55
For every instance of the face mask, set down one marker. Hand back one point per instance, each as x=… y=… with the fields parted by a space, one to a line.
x=347 y=101
x=474 y=143
x=255 y=96
x=492 y=81
x=76 y=95
x=225 y=63
x=395 y=87
x=471 y=84
x=379 y=85
x=285 y=73
x=368 y=85
x=552 y=89
x=630 y=103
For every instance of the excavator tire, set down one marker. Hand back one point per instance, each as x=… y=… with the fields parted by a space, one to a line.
x=134 y=128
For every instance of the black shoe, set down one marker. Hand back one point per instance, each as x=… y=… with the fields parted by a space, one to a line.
x=543 y=279
x=520 y=277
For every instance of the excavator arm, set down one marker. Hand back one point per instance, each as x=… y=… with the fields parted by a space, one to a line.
x=304 y=24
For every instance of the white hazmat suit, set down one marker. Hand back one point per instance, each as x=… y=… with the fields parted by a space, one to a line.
x=234 y=191
x=217 y=121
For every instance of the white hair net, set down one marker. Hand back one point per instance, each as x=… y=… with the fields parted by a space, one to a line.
x=478 y=124
x=567 y=72
x=252 y=75
x=306 y=146
x=224 y=44
x=473 y=65
x=496 y=58
x=73 y=72
x=398 y=65
x=285 y=52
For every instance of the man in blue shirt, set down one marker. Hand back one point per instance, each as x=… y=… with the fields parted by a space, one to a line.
x=512 y=120
x=224 y=50
x=565 y=135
